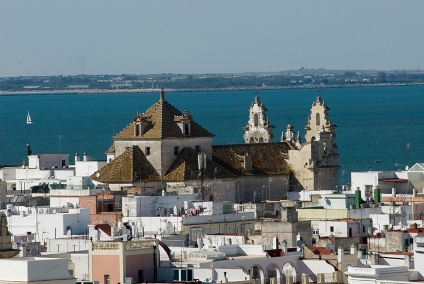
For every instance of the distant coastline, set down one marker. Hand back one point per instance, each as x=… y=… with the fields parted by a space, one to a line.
x=239 y=88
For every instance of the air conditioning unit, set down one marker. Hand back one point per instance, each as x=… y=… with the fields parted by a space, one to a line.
x=129 y=280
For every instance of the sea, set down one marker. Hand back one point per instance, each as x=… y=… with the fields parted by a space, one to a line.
x=381 y=128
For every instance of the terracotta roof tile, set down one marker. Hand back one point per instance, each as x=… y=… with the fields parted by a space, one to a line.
x=126 y=168
x=111 y=149
x=267 y=158
x=105 y=228
x=186 y=167
x=162 y=122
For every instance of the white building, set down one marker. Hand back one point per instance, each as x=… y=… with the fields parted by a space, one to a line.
x=344 y=228
x=52 y=169
x=48 y=222
x=419 y=255
x=165 y=205
x=159 y=216
x=377 y=273
x=38 y=270
x=391 y=183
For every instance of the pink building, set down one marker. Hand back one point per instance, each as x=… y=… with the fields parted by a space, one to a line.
x=116 y=261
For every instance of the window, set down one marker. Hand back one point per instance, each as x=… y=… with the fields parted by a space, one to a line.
x=63 y=163
x=331 y=229
x=137 y=130
x=107 y=279
x=368 y=191
x=186 y=129
x=197 y=148
x=147 y=151
x=317 y=119
x=256 y=120
x=176 y=150
x=261 y=140
x=140 y=276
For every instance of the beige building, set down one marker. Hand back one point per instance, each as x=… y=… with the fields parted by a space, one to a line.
x=315 y=162
x=164 y=149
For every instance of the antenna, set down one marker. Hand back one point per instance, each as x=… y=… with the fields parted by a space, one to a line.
x=60 y=137
x=328 y=246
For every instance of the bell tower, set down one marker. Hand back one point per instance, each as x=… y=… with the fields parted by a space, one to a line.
x=318 y=121
x=315 y=165
x=258 y=129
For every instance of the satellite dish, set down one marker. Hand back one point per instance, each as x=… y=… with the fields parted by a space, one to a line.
x=328 y=246
x=299 y=243
x=34 y=252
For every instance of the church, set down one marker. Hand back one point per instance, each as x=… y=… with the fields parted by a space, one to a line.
x=166 y=150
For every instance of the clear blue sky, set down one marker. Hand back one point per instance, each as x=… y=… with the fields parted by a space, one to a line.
x=58 y=37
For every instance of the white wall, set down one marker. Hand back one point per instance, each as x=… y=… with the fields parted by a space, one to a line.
x=341 y=228
x=35 y=269
x=87 y=168
x=51 y=224
x=143 y=206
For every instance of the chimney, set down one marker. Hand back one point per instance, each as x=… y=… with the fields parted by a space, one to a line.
x=162 y=95
x=77 y=157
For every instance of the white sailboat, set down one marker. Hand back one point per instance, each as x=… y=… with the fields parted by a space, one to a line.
x=29 y=120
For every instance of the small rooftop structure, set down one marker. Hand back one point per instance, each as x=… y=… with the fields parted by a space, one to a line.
x=207 y=255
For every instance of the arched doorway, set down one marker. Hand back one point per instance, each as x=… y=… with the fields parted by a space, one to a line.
x=257 y=272
x=272 y=271
x=288 y=271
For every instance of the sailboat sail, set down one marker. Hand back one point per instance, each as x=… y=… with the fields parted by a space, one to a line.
x=29 y=120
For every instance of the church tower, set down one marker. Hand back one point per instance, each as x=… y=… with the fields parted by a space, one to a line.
x=258 y=129
x=318 y=121
x=315 y=164
x=6 y=250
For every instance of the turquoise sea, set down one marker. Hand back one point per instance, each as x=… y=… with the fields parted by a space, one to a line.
x=375 y=125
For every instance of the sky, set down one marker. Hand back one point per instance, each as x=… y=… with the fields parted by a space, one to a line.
x=62 y=37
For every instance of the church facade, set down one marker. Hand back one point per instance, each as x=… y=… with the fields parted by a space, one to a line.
x=164 y=149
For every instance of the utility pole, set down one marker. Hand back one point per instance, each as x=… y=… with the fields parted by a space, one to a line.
x=201 y=160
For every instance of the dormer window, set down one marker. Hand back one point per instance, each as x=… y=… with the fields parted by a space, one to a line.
x=184 y=123
x=137 y=129
x=140 y=125
x=186 y=128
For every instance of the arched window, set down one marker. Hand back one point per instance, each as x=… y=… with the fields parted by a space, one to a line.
x=256 y=119
x=261 y=140
x=137 y=129
x=186 y=129
x=252 y=140
x=317 y=119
